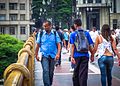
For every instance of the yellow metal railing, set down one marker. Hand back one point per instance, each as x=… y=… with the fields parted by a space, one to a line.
x=21 y=72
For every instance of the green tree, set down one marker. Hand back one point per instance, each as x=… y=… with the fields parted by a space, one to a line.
x=59 y=10
x=9 y=48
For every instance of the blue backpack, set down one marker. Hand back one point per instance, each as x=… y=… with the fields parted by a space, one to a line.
x=81 y=42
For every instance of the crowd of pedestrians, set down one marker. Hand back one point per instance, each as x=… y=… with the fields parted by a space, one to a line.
x=49 y=43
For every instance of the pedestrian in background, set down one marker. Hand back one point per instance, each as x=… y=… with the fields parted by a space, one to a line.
x=35 y=31
x=93 y=34
x=66 y=37
x=107 y=48
x=62 y=40
x=80 y=74
x=49 y=45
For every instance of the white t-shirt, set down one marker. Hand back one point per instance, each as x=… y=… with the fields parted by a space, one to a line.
x=93 y=35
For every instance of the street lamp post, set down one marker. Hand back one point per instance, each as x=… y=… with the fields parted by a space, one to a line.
x=73 y=10
x=108 y=6
x=50 y=3
x=78 y=13
x=42 y=14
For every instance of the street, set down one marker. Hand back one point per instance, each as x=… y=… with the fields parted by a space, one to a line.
x=63 y=77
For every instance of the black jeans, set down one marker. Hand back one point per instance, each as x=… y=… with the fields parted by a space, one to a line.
x=80 y=74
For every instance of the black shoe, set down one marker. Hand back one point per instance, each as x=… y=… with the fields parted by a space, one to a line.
x=56 y=64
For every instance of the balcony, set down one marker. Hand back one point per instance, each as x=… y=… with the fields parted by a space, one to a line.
x=8 y=22
x=91 y=5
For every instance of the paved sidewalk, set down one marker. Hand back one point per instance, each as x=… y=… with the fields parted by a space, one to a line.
x=38 y=74
x=63 y=77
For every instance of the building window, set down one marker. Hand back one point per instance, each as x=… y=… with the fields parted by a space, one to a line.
x=22 y=30
x=22 y=6
x=114 y=6
x=114 y=23
x=2 y=17
x=2 y=6
x=84 y=1
x=90 y=1
x=22 y=16
x=13 y=6
x=98 y=1
x=13 y=17
x=2 y=30
x=12 y=30
x=76 y=2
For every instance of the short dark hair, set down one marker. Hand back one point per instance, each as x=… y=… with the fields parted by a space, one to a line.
x=94 y=27
x=73 y=28
x=57 y=28
x=49 y=23
x=78 y=22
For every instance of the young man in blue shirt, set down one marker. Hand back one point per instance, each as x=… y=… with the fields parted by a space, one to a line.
x=49 y=45
x=81 y=59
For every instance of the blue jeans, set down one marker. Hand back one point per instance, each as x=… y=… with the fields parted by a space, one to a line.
x=72 y=65
x=106 y=64
x=48 y=70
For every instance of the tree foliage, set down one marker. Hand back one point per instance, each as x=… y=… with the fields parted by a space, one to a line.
x=59 y=10
x=9 y=48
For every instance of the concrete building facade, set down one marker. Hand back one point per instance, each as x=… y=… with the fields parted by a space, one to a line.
x=15 y=16
x=98 y=12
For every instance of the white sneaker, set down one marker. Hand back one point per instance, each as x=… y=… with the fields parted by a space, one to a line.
x=71 y=70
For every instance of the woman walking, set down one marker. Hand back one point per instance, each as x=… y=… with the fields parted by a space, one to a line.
x=106 y=47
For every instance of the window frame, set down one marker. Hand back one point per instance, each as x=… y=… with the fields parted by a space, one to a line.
x=100 y=1
x=115 y=21
x=22 y=18
x=22 y=6
x=13 y=6
x=13 y=17
x=12 y=30
x=2 y=17
x=4 y=6
x=22 y=30
x=2 y=30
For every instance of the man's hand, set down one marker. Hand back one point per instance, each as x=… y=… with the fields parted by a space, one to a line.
x=92 y=58
x=37 y=58
x=57 y=56
x=119 y=61
x=73 y=60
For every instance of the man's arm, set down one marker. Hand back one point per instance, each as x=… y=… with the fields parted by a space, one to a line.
x=36 y=51
x=72 y=53
x=64 y=42
x=92 y=53
x=58 y=51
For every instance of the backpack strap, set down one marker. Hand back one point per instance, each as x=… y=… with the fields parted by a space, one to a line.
x=55 y=37
x=41 y=33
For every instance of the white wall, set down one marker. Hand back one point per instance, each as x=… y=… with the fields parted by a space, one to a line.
x=118 y=6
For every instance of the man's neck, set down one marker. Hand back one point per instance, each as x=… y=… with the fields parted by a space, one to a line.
x=48 y=31
x=79 y=27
